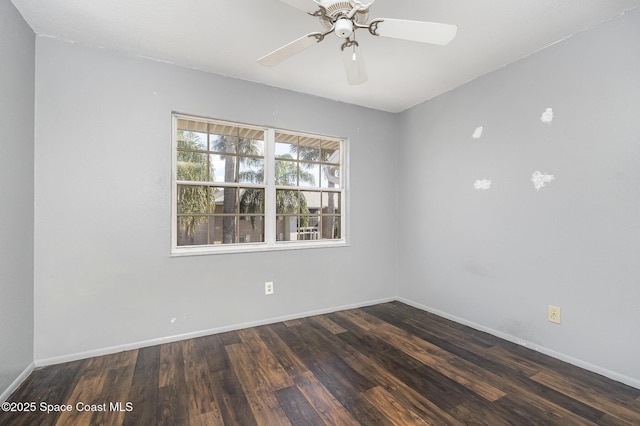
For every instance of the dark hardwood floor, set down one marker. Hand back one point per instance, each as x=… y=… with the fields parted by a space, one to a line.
x=388 y=364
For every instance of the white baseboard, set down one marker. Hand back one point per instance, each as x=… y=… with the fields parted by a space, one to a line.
x=175 y=338
x=17 y=382
x=558 y=355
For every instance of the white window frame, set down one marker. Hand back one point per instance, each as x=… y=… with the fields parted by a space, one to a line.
x=270 y=243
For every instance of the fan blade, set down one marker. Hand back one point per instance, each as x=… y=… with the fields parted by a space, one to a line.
x=424 y=32
x=308 y=6
x=288 y=50
x=354 y=65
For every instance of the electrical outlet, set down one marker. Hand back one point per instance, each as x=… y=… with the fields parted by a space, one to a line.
x=554 y=314
x=268 y=288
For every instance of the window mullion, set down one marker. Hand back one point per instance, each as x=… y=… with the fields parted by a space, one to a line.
x=270 y=189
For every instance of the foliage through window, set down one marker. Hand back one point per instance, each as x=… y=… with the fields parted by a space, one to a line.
x=243 y=188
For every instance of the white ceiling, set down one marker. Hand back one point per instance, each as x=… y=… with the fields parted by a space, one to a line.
x=227 y=36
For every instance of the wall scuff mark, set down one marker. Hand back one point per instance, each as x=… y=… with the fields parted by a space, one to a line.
x=547 y=116
x=478 y=133
x=483 y=184
x=539 y=179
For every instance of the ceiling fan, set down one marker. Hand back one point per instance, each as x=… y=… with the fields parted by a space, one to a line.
x=343 y=18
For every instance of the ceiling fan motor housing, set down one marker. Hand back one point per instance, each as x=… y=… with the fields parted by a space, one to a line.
x=337 y=8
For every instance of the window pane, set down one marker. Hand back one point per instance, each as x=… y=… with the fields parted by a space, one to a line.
x=309 y=202
x=224 y=200
x=251 y=147
x=190 y=140
x=288 y=201
x=331 y=203
x=192 y=230
x=331 y=155
x=251 y=229
x=286 y=173
x=192 y=125
x=216 y=199
x=331 y=227
x=192 y=166
x=308 y=227
x=223 y=168
x=286 y=145
x=308 y=153
x=286 y=150
x=222 y=143
x=251 y=200
x=330 y=177
x=192 y=199
x=223 y=229
x=309 y=174
x=251 y=170
x=286 y=228
x=227 y=201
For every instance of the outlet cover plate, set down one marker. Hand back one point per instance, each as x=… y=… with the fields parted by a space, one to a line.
x=268 y=288
x=554 y=314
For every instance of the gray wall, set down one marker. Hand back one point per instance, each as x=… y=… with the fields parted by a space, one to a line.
x=498 y=258
x=103 y=274
x=17 y=58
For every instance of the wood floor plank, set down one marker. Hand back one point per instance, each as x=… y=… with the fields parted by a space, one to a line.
x=115 y=391
x=86 y=391
x=395 y=412
x=601 y=401
x=323 y=402
x=344 y=383
x=292 y=323
x=282 y=352
x=537 y=411
x=297 y=407
x=143 y=394
x=211 y=418
x=262 y=401
x=423 y=392
x=516 y=385
x=504 y=357
x=201 y=400
x=378 y=365
x=173 y=406
x=375 y=347
x=225 y=386
x=357 y=353
x=397 y=311
x=427 y=353
x=328 y=324
x=265 y=361
x=49 y=385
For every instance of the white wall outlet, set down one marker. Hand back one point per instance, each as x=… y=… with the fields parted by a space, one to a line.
x=554 y=314
x=268 y=288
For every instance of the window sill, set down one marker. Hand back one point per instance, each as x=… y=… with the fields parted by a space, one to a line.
x=254 y=248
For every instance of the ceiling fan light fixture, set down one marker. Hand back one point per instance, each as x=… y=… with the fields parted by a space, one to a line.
x=344 y=28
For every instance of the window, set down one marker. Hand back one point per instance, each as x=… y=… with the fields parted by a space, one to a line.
x=244 y=188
